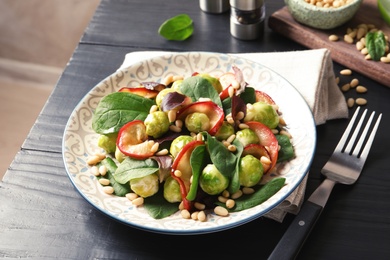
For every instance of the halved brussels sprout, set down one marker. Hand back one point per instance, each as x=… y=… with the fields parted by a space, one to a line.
x=213 y=181
x=263 y=113
x=250 y=171
x=157 y=124
x=145 y=186
x=172 y=190
x=247 y=136
x=178 y=143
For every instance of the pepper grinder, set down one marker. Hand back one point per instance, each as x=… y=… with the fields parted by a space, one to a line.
x=214 y=6
x=247 y=19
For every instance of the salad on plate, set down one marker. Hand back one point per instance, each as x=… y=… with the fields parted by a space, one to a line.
x=202 y=145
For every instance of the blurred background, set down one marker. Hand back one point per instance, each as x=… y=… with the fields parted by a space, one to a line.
x=37 y=40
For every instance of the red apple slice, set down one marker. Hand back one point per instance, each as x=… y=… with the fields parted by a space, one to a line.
x=143 y=92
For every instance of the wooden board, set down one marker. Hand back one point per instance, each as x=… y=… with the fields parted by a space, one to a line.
x=344 y=53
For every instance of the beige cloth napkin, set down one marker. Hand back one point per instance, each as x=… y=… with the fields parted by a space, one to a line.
x=311 y=73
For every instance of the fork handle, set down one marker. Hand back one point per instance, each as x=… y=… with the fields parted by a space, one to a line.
x=296 y=234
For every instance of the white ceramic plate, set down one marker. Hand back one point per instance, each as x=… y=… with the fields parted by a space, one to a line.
x=80 y=140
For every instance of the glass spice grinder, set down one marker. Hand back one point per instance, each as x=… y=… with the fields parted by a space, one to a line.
x=247 y=19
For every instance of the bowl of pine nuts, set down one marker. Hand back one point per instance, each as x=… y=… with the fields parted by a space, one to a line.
x=323 y=14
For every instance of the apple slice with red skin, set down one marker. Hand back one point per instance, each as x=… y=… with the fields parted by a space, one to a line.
x=212 y=110
x=143 y=92
x=133 y=141
x=267 y=139
x=258 y=151
x=226 y=79
x=264 y=97
x=182 y=163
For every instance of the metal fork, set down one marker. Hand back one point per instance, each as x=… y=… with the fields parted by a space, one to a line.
x=344 y=166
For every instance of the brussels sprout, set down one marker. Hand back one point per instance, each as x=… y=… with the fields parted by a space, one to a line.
x=145 y=186
x=178 y=143
x=225 y=131
x=263 y=113
x=197 y=122
x=108 y=142
x=162 y=94
x=250 y=171
x=247 y=136
x=172 y=190
x=157 y=124
x=119 y=156
x=176 y=85
x=213 y=181
x=213 y=81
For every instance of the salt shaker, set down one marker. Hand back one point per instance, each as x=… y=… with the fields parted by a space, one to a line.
x=214 y=6
x=247 y=19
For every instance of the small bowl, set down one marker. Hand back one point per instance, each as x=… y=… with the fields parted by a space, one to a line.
x=322 y=17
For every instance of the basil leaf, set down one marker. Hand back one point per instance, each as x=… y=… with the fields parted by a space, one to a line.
x=177 y=28
x=131 y=169
x=376 y=44
x=116 y=109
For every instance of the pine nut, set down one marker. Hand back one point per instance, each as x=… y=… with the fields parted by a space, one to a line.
x=345 y=87
x=194 y=215
x=108 y=189
x=359 y=46
x=230 y=203
x=361 y=89
x=346 y=72
x=236 y=195
x=235 y=84
x=248 y=190
x=179 y=123
x=240 y=115
x=243 y=126
x=284 y=132
x=361 y=101
x=354 y=83
x=104 y=181
x=222 y=199
x=103 y=170
x=226 y=194
x=94 y=170
x=348 y=38
x=162 y=152
x=199 y=205
x=174 y=128
x=333 y=38
x=221 y=211
x=231 y=138
x=138 y=201
x=152 y=109
x=185 y=214
x=282 y=122
x=154 y=147
x=232 y=148
x=350 y=102
x=167 y=80
x=385 y=59
x=131 y=196
x=172 y=116
x=94 y=159
x=231 y=91
x=364 y=51
x=202 y=216
x=177 y=173
x=177 y=77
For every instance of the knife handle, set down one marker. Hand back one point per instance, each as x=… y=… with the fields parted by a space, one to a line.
x=296 y=234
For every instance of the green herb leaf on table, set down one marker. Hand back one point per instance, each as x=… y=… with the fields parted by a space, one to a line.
x=177 y=28
x=376 y=44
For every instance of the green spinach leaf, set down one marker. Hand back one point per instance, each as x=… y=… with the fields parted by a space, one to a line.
x=131 y=169
x=120 y=189
x=197 y=162
x=116 y=109
x=158 y=207
x=259 y=196
x=286 y=151
x=376 y=44
x=177 y=28
x=198 y=87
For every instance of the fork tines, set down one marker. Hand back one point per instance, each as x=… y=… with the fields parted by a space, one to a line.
x=351 y=143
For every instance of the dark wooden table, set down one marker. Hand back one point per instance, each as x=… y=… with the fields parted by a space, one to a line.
x=42 y=216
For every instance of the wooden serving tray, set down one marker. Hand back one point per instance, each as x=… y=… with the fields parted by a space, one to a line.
x=344 y=53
